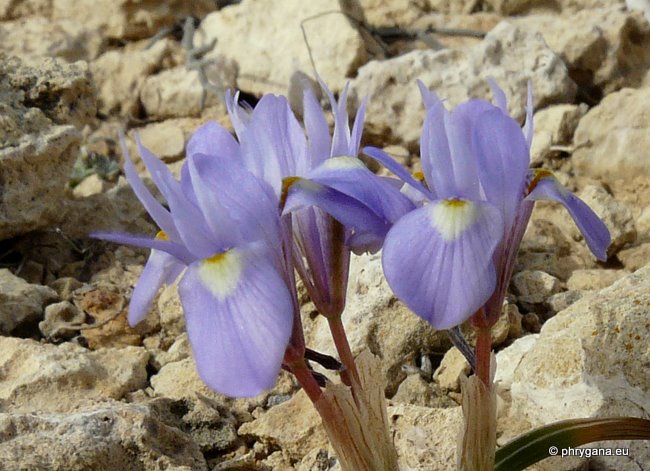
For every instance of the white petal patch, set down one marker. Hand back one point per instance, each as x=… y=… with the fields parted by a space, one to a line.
x=450 y=218
x=221 y=273
x=343 y=162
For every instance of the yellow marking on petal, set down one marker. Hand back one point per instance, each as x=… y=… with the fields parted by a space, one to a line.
x=452 y=217
x=221 y=273
x=161 y=235
x=288 y=182
x=419 y=176
x=539 y=175
x=342 y=162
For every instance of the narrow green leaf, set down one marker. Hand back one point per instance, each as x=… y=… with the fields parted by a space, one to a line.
x=534 y=446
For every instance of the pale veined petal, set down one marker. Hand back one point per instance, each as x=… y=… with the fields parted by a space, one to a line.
x=351 y=177
x=274 y=145
x=357 y=129
x=498 y=94
x=161 y=268
x=544 y=186
x=341 y=137
x=503 y=158
x=177 y=250
x=189 y=222
x=239 y=316
x=529 y=129
x=213 y=139
x=237 y=205
x=158 y=213
x=356 y=216
x=438 y=259
x=399 y=171
x=319 y=141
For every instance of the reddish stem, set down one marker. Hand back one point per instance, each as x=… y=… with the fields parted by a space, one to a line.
x=483 y=353
x=305 y=379
x=350 y=376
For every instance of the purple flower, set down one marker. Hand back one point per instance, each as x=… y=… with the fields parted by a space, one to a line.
x=236 y=291
x=225 y=227
x=455 y=253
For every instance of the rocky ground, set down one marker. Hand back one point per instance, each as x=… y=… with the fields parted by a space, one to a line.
x=81 y=390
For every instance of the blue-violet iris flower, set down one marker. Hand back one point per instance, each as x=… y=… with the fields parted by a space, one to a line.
x=455 y=253
x=227 y=231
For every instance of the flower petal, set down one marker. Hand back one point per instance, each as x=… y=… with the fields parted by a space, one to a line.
x=213 y=139
x=438 y=259
x=503 y=159
x=545 y=186
x=399 y=171
x=239 y=316
x=351 y=177
x=161 y=268
x=172 y=248
x=348 y=211
x=237 y=206
x=318 y=132
x=158 y=213
x=274 y=144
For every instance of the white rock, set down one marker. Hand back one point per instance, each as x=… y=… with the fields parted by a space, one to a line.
x=20 y=302
x=509 y=55
x=177 y=92
x=120 y=74
x=554 y=126
x=109 y=436
x=425 y=438
x=49 y=378
x=613 y=138
x=122 y=19
x=388 y=13
x=452 y=366
x=534 y=286
x=590 y=360
x=34 y=37
x=635 y=257
x=265 y=40
x=594 y=279
x=58 y=317
x=509 y=358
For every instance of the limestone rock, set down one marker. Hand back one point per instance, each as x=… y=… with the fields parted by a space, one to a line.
x=612 y=140
x=34 y=37
x=453 y=6
x=11 y=9
x=374 y=318
x=452 y=366
x=124 y=19
x=177 y=92
x=60 y=319
x=417 y=391
x=418 y=439
x=554 y=126
x=265 y=40
x=49 y=378
x=120 y=74
x=560 y=301
x=517 y=7
x=590 y=360
x=594 y=279
x=388 y=13
x=38 y=145
x=509 y=55
x=635 y=257
x=604 y=48
x=21 y=303
x=109 y=436
x=294 y=426
x=534 y=287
